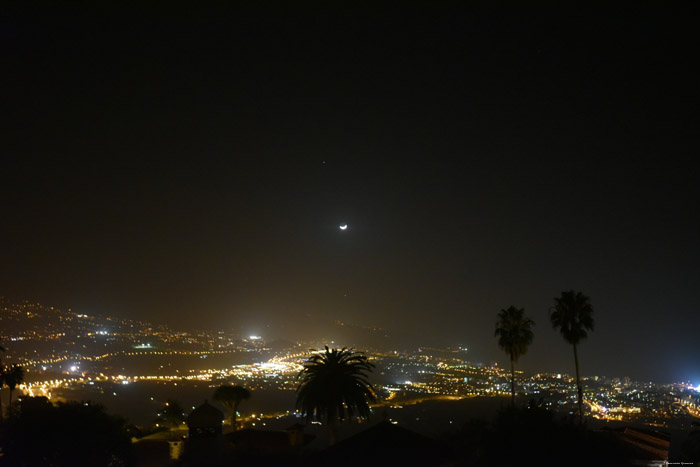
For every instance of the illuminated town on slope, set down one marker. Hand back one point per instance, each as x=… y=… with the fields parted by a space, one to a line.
x=64 y=351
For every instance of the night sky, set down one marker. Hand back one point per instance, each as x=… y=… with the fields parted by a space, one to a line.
x=193 y=167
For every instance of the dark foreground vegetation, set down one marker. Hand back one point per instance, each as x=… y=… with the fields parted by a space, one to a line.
x=39 y=433
x=536 y=436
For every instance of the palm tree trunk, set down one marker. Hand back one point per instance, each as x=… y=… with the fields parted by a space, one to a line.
x=578 y=386
x=512 y=379
x=234 y=422
x=332 y=433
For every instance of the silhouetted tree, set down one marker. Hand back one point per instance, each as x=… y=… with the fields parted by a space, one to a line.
x=171 y=414
x=572 y=315
x=334 y=387
x=14 y=375
x=2 y=382
x=38 y=433
x=231 y=397
x=691 y=446
x=535 y=436
x=514 y=332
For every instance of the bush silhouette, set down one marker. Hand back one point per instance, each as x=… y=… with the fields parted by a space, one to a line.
x=38 y=433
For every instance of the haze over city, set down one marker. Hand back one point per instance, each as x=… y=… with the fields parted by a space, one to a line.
x=194 y=169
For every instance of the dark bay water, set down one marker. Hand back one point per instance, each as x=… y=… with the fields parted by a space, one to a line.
x=139 y=402
x=170 y=364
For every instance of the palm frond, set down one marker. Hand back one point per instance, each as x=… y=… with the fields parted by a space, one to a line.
x=333 y=385
x=572 y=315
x=514 y=331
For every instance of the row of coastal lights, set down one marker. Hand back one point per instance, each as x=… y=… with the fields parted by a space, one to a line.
x=127 y=354
x=273 y=367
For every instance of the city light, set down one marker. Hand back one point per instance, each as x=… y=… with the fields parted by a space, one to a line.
x=421 y=375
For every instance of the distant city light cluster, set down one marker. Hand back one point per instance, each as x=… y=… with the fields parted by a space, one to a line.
x=61 y=350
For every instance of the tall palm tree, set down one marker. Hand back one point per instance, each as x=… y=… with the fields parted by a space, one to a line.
x=514 y=332
x=13 y=376
x=231 y=397
x=2 y=382
x=572 y=314
x=333 y=386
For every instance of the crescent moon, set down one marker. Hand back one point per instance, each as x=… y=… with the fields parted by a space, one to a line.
x=344 y=227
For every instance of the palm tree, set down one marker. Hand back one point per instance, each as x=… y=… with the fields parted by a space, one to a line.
x=3 y=369
x=2 y=382
x=514 y=333
x=572 y=314
x=13 y=376
x=334 y=387
x=230 y=397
